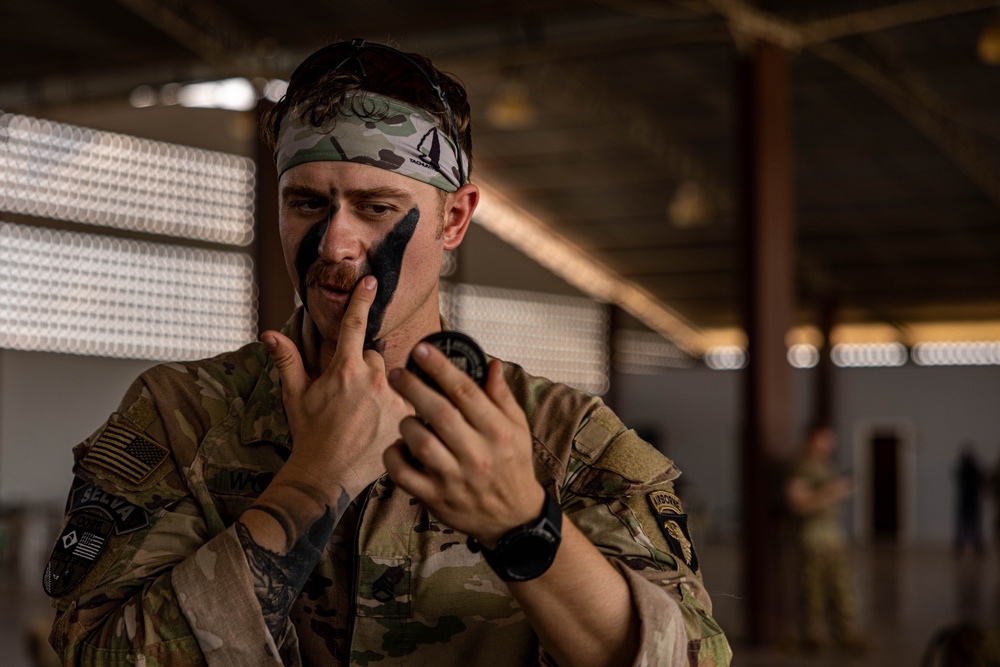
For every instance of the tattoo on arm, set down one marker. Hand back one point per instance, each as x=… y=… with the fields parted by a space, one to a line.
x=280 y=577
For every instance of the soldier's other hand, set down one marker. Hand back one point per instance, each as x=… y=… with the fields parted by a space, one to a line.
x=468 y=457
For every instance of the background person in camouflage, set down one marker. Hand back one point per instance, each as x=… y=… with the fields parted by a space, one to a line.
x=283 y=504
x=815 y=493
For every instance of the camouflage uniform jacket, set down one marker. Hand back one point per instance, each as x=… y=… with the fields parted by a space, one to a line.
x=821 y=529
x=149 y=571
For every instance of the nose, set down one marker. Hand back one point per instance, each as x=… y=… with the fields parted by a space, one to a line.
x=341 y=241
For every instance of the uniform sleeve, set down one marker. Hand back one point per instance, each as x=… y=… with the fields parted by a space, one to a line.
x=163 y=585
x=619 y=491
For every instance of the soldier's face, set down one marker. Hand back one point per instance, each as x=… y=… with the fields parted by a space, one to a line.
x=824 y=442
x=340 y=221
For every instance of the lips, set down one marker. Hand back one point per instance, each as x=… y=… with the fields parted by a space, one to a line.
x=333 y=293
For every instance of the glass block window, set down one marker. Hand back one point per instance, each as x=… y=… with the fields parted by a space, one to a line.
x=64 y=172
x=647 y=352
x=869 y=355
x=91 y=294
x=562 y=338
x=957 y=353
x=725 y=358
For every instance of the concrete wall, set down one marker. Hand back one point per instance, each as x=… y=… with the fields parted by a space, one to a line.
x=48 y=403
x=695 y=416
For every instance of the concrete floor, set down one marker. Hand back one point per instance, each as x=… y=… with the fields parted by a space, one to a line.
x=907 y=596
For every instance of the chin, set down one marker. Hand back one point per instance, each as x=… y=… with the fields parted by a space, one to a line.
x=325 y=323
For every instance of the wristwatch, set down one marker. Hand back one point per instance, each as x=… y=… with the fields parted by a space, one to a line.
x=527 y=551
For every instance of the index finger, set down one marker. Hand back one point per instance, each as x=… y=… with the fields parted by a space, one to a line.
x=355 y=322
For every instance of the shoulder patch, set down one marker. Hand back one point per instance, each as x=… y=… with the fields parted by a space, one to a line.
x=126 y=516
x=127 y=454
x=78 y=546
x=93 y=515
x=674 y=524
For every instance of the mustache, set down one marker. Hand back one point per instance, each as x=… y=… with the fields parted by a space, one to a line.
x=338 y=276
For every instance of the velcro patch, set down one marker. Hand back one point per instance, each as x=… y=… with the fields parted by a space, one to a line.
x=94 y=515
x=141 y=413
x=595 y=435
x=674 y=525
x=126 y=453
x=78 y=546
x=635 y=459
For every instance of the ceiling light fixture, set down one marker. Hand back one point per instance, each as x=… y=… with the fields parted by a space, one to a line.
x=235 y=94
x=988 y=46
x=511 y=107
x=690 y=206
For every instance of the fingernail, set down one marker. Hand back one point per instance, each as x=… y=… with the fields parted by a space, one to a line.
x=369 y=282
x=270 y=342
x=394 y=374
x=421 y=350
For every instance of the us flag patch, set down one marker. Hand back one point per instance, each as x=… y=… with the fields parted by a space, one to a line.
x=127 y=453
x=78 y=547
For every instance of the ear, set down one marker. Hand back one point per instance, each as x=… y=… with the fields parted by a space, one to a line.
x=458 y=209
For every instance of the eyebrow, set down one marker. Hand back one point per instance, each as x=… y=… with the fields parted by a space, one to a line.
x=385 y=192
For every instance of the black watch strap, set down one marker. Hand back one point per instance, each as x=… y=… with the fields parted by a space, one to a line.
x=527 y=551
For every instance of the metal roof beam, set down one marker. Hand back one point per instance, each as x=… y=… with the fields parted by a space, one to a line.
x=206 y=30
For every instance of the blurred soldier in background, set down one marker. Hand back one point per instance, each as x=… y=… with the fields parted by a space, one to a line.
x=814 y=493
x=970 y=483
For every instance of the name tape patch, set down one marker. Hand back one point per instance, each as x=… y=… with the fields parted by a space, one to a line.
x=237 y=481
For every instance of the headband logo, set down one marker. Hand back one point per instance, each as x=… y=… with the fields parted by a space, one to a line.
x=434 y=155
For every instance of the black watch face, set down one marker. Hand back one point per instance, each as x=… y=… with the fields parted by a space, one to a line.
x=529 y=554
x=461 y=350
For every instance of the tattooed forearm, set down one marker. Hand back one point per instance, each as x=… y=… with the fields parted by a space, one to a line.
x=279 y=577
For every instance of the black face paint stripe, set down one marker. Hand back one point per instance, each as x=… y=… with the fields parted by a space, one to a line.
x=308 y=253
x=386 y=262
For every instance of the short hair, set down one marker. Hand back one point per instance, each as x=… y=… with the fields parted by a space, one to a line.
x=324 y=79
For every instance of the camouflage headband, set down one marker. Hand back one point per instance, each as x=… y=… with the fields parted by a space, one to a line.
x=406 y=140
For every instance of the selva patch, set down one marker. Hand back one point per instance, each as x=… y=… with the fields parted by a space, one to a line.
x=93 y=516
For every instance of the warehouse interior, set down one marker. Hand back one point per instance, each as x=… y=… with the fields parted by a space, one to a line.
x=762 y=212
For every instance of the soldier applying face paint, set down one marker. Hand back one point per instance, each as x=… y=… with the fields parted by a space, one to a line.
x=307 y=500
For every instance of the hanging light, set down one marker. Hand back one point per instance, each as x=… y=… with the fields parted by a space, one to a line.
x=511 y=107
x=690 y=206
x=988 y=46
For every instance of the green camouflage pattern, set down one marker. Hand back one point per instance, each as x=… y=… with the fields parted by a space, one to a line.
x=822 y=528
x=378 y=131
x=827 y=597
x=394 y=585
